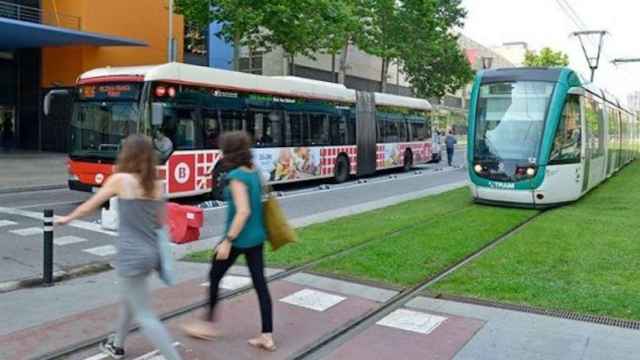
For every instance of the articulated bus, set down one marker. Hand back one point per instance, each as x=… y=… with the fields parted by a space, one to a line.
x=302 y=129
x=541 y=137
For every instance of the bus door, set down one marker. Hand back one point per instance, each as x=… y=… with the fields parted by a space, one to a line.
x=366 y=132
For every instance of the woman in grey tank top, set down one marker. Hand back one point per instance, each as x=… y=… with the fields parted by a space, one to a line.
x=141 y=213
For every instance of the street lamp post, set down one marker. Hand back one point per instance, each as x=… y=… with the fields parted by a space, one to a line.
x=487 y=61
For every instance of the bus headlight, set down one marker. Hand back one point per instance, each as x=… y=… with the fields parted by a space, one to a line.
x=478 y=168
x=531 y=171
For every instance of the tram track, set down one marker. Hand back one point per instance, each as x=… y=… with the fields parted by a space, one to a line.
x=357 y=325
x=93 y=342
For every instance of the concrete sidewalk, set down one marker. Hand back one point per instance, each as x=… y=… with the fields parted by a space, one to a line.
x=307 y=308
x=22 y=171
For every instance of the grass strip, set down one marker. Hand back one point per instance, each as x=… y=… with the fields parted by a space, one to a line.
x=581 y=258
x=323 y=239
x=414 y=255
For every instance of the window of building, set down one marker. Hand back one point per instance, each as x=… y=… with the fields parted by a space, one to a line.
x=567 y=144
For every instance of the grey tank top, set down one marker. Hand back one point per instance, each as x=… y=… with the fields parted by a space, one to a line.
x=138 y=249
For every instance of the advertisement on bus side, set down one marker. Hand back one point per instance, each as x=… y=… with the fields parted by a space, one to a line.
x=287 y=164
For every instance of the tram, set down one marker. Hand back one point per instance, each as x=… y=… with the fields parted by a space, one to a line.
x=541 y=137
x=303 y=129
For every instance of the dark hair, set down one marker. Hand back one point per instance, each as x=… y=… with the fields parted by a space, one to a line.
x=138 y=157
x=236 y=150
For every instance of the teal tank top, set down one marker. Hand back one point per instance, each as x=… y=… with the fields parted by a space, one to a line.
x=253 y=233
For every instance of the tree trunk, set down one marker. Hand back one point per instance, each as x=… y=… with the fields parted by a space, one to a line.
x=342 y=69
x=236 y=52
x=292 y=64
x=383 y=75
x=333 y=67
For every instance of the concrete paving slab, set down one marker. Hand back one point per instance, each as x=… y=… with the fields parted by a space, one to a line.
x=344 y=287
x=388 y=342
x=313 y=300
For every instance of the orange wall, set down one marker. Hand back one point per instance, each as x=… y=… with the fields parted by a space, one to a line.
x=142 y=20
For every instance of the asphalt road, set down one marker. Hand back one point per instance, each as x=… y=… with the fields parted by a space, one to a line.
x=21 y=240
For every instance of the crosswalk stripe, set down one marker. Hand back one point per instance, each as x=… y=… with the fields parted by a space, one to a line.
x=7 y=223
x=154 y=354
x=28 y=231
x=232 y=282
x=106 y=250
x=67 y=240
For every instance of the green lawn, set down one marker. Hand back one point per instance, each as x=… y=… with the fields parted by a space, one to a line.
x=583 y=257
x=411 y=256
x=327 y=238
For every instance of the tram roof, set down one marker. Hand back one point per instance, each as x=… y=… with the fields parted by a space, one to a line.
x=289 y=86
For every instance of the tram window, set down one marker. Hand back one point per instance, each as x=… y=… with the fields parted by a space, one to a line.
x=595 y=130
x=318 y=133
x=231 y=120
x=211 y=128
x=295 y=129
x=567 y=143
x=265 y=127
x=338 y=128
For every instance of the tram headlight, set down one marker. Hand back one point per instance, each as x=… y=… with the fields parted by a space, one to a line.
x=531 y=171
x=478 y=168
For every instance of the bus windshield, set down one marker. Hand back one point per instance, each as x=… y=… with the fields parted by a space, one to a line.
x=103 y=116
x=98 y=128
x=510 y=121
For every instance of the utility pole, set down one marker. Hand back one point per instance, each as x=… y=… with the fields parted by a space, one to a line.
x=625 y=60
x=170 y=50
x=593 y=61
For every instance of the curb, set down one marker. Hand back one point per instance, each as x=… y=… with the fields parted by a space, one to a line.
x=32 y=188
x=59 y=275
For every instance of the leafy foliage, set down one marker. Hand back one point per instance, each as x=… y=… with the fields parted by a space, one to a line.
x=546 y=58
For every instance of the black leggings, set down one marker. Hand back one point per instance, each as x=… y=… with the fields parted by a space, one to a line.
x=255 y=261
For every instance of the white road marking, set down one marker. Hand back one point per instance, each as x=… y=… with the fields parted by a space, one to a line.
x=49 y=204
x=313 y=299
x=232 y=282
x=97 y=357
x=413 y=321
x=28 y=231
x=67 y=240
x=38 y=216
x=7 y=223
x=154 y=354
x=106 y=250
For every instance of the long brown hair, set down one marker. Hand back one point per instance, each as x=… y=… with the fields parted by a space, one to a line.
x=236 y=150
x=138 y=158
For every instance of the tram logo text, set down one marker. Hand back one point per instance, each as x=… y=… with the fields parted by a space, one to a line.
x=501 y=185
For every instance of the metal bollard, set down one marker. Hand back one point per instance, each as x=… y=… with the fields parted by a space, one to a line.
x=47 y=271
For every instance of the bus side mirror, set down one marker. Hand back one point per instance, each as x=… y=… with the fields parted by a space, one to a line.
x=157 y=114
x=46 y=106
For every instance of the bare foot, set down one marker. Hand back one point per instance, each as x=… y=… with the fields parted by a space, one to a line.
x=200 y=329
x=264 y=341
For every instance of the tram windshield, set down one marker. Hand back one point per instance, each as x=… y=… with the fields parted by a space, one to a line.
x=103 y=116
x=510 y=121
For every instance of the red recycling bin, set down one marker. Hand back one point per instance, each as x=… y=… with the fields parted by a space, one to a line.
x=184 y=222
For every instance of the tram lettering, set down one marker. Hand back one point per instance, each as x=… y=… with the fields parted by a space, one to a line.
x=501 y=185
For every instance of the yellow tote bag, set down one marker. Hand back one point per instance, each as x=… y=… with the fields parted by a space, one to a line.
x=279 y=233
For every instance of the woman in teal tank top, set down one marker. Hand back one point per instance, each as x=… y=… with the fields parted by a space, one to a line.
x=245 y=233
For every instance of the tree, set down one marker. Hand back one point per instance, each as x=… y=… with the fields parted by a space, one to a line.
x=431 y=56
x=546 y=58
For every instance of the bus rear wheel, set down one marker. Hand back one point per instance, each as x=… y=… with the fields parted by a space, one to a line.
x=217 y=188
x=342 y=169
x=408 y=161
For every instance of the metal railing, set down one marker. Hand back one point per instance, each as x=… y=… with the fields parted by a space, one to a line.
x=35 y=15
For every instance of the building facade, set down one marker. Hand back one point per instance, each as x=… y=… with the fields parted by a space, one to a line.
x=47 y=44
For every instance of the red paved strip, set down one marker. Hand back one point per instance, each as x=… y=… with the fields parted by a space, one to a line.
x=57 y=334
x=382 y=342
x=239 y=319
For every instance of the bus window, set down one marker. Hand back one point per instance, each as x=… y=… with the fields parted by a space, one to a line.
x=265 y=127
x=183 y=128
x=231 y=120
x=338 y=126
x=318 y=133
x=211 y=128
x=295 y=129
x=351 y=129
x=401 y=125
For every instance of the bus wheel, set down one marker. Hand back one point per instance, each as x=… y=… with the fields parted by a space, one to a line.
x=408 y=161
x=342 y=169
x=218 y=183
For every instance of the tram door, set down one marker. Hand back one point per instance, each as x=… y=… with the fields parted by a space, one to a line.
x=586 y=151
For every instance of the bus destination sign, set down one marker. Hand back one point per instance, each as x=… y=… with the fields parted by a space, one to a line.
x=109 y=92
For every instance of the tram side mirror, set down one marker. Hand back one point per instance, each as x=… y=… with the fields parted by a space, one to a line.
x=576 y=90
x=48 y=99
x=157 y=114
